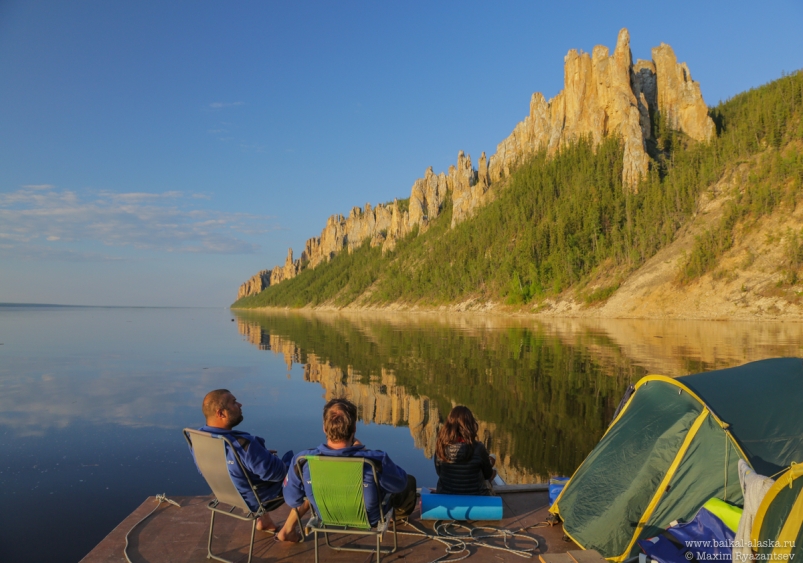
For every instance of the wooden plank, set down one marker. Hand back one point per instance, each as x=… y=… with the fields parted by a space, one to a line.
x=526 y=488
x=180 y=535
x=587 y=556
x=531 y=488
x=555 y=558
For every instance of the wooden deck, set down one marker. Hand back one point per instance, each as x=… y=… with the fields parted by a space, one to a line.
x=180 y=535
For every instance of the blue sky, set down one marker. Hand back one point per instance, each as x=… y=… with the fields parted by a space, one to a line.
x=160 y=153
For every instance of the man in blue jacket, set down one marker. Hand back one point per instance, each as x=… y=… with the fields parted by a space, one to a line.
x=340 y=427
x=265 y=469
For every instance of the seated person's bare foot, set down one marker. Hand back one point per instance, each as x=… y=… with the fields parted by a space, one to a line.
x=290 y=535
x=265 y=523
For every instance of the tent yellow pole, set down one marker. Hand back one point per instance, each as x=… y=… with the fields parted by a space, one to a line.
x=672 y=381
x=667 y=478
x=786 y=479
x=790 y=530
x=555 y=508
x=724 y=425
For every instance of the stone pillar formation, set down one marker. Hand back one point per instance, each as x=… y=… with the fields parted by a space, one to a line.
x=603 y=95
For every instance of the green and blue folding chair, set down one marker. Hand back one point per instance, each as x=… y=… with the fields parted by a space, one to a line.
x=337 y=487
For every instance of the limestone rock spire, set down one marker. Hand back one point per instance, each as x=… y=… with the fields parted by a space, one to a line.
x=603 y=95
x=679 y=96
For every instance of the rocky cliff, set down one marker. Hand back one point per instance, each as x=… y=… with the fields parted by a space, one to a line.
x=604 y=94
x=266 y=278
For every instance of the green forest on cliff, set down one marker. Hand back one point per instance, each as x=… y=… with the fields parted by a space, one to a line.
x=559 y=222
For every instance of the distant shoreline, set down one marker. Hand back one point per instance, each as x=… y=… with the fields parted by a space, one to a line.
x=498 y=311
x=43 y=305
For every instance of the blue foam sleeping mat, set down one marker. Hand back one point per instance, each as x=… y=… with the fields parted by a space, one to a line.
x=460 y=507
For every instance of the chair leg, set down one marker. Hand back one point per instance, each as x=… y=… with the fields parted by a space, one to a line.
x=315 y=536
x=210 y=555
x=301 y=530
x=209 y=544
x=251 y=545
x=378 y=548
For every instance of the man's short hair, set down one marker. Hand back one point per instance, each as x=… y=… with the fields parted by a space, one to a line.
x=214 y=401
x=339 y=420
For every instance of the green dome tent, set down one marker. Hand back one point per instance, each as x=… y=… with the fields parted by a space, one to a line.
x=778 y=526
x=675 y=444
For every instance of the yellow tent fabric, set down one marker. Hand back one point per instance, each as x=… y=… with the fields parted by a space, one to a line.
x=778 y=527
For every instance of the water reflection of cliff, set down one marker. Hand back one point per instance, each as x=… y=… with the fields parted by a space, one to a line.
x=542 y=405
x=380 y=401
x=544 y=393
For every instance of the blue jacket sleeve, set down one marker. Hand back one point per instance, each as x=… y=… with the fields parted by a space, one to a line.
x=392 y=479
x=293 y=487
x=266 y=465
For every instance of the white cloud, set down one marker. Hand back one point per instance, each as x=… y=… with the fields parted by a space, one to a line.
x=44 y=222
x=31 y=406
x=253 y=148
x=38 y=186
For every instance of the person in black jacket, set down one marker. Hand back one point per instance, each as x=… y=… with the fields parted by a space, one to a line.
x=461 y=461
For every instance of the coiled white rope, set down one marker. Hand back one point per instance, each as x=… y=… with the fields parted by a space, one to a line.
x=160 y=498
x=457 y=543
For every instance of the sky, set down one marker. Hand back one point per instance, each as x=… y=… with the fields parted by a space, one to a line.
x=161 y=153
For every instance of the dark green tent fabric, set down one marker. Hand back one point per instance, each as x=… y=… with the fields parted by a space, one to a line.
x=669 y=451
x=693 y=484
x=763 y=403
x=612 y=499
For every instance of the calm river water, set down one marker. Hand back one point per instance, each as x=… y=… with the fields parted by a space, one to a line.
x=93 y=400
